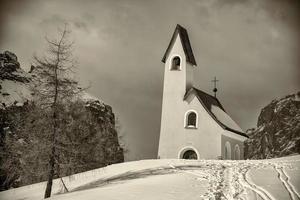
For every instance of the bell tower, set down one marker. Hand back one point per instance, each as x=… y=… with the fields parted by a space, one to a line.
x=179 y=57
x=178 y=79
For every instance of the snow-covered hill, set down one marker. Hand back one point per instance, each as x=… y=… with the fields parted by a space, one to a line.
x=177 y=179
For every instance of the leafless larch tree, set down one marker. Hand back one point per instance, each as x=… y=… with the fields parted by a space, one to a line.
x=54 y=87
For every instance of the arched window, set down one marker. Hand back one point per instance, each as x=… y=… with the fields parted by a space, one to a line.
x=191 y=119
x=227 y=151
x=237 y=152
x=175 y=63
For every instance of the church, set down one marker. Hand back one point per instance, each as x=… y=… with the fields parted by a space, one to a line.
x=194 y=124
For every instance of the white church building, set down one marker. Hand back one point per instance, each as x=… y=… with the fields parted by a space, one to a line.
x=194 y=124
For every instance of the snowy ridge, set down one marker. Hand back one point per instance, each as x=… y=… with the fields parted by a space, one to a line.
x=16 y=85
x=14 y=93
x=14 y=81
x=88 y=97
x=168 y=179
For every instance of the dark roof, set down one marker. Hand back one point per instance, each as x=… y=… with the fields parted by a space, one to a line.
x=185 y=43
x=207 y=101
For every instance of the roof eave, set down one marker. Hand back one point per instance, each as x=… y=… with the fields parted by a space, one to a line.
x=237 y=132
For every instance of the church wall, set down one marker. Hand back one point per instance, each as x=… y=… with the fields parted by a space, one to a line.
x=233 y=142
x=207 y=137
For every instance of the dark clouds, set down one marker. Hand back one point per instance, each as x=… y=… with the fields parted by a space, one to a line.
x=8 y=9
x=250 y=45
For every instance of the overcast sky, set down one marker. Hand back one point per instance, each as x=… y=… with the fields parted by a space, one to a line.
x=252 y=46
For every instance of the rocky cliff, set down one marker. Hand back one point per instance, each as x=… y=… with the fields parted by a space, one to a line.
x=278 y=130
x=15 y=98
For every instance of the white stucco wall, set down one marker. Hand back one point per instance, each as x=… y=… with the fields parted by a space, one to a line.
x=174 y=137
x=206 y=139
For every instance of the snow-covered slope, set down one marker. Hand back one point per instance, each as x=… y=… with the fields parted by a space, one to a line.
x=178 y=179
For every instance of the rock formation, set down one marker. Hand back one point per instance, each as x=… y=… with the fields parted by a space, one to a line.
x=16 y=94
x=278 y=130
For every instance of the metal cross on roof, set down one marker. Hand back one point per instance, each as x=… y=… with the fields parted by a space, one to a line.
x=215 y=86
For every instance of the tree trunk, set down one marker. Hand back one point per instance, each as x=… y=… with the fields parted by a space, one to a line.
x=50 y=175
x=52 y=155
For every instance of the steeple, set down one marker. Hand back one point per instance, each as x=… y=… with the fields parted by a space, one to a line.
x=179 y=63
x=184 y=37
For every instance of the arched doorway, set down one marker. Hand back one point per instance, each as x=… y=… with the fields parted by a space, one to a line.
x=227 y=152
x=189 y=152
x=190 y=155
x=237 y=152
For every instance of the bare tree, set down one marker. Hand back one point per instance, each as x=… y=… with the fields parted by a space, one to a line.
x=59 y=133
x=54 y=87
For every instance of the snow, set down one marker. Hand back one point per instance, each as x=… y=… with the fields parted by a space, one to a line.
x=274 y=186
x=224 y=118
x=177 y=179
x=146 y=188
x=18 y=93
x=261 y=128
x=88 y=97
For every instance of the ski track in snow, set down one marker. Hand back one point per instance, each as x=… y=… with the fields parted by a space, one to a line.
x=259 y=190
x=284 y=178
x=231 y=180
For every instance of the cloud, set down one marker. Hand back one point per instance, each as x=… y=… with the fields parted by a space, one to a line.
x=53 y=20
x=10 y=8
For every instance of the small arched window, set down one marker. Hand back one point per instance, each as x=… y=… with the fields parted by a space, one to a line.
x=227 y=151
x=237 y=152
x=191 y=120
x=175 y=63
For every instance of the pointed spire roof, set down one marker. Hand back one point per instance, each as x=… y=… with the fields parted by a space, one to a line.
x=185 y=44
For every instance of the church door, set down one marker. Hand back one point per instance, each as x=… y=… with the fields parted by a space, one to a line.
x=190 y=155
